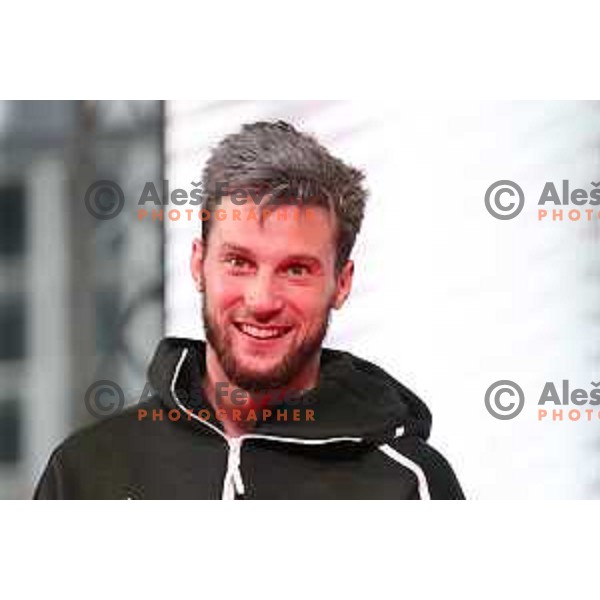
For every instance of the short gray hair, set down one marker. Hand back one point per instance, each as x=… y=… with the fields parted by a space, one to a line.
x=293 y=167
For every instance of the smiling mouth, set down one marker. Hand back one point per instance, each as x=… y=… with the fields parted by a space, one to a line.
x=263 y=332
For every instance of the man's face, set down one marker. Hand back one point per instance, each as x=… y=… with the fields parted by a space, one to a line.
x=268 y=290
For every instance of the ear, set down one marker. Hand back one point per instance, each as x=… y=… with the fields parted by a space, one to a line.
x=343 y=284
x=197 y=263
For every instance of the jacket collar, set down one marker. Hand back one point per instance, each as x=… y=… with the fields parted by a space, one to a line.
x=353 y=399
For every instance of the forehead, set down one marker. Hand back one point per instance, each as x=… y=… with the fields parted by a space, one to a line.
x=277 y=232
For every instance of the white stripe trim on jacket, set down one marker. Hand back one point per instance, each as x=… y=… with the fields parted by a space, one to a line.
x=412 y=466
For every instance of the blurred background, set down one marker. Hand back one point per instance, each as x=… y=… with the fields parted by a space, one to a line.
x=446 y=298
x=81 y=299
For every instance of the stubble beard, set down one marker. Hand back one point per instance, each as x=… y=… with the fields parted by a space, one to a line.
x=275 y=378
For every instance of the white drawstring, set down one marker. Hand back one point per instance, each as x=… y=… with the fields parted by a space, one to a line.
x=233 y=481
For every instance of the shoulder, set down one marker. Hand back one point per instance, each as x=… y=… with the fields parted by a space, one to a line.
x=112 y=432
x=436 y=475
x=97 y=451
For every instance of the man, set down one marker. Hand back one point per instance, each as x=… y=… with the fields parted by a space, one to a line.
x=261 y=410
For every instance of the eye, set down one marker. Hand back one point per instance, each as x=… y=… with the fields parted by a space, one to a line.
x=238 y=264
x=297 y=270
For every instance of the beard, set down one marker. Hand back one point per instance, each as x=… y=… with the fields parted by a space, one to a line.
x=274 y=378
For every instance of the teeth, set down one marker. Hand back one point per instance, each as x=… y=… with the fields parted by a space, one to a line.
x=262 y=333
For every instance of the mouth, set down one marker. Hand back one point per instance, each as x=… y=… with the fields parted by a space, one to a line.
x=262 y=332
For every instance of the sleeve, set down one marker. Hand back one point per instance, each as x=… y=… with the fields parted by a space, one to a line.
x=441 y=480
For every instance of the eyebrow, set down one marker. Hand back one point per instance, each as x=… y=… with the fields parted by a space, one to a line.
x=227 y=247
x=302 y=258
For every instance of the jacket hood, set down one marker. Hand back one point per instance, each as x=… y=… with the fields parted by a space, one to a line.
x=353 y=398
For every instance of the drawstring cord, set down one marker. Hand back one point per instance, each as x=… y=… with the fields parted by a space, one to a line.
x=233 y=481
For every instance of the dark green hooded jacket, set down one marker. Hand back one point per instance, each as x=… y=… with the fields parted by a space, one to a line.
x=366 y=438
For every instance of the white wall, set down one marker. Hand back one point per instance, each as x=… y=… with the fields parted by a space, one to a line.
x=447 y=298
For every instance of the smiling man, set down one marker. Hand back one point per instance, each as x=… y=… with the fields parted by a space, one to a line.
x=269 y=285
x=261 y=410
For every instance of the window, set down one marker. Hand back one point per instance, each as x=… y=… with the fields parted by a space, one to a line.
x=12 y=326
x=12 y=220
x=10 y=430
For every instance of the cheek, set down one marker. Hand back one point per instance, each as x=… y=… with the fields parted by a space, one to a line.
x=223 y=292
x=310 y=304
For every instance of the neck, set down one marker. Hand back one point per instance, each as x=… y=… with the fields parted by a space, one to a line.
x=235 y=404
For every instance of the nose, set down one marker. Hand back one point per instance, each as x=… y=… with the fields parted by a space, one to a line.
x=262 y=297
